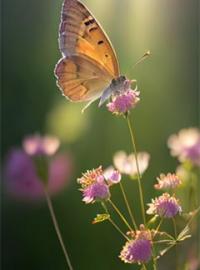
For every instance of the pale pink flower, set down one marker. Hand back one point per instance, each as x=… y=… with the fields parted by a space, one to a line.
x=168 y=181
x=186 y=145
x=126 y=164
x=112 y=176
x=40 y=145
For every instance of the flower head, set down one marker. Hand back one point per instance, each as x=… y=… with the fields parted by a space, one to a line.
x=186 y=145
x=139 y=249
x=112 y=176
x=94 y=186
x=169 y=181
x=126 y=164
x=165 y=206
x=38 y=145
x=125 y=100
x=22 y=181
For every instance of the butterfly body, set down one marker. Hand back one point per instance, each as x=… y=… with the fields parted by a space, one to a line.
x=89 y=68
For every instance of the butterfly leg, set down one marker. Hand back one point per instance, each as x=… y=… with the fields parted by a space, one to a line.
x=88 y=104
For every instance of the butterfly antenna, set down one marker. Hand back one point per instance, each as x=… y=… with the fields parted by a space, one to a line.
x=141 y=59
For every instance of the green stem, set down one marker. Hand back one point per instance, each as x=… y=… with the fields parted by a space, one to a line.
x=120 y=214
x=159 y=224
x=138 y=171
x=175 y=235
x=154 y=259
x=175 y=228
x=113 y=223
x=55 y=223
x=128 y=206
x=144 y=267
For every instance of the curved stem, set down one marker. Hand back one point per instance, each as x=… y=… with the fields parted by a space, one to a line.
x=128 y=206
x=138 y=171
x=113 y=223
x=55 y=223
x=120 y=214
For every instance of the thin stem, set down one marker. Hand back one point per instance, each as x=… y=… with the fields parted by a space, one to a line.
x=138 y=171
x=113 y=223
x=144 y=267
x=55 y=223
x=120 y=214
x=175 y=228
x=175 y=235
x=159 y=224
x=128 y=206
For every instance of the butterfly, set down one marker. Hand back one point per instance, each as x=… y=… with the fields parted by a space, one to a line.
x=89 y=68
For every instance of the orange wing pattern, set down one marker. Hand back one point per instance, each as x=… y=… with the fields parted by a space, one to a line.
x=80 y=78
x=81 y=34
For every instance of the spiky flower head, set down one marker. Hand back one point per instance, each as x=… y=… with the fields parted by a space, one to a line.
x=125 y=100
x=94 y=186
x=167 y=181
x=139 y=248
x=165 y=206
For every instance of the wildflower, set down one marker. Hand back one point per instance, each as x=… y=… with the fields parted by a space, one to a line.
x=126 y=164
x=112 y=176
x=21 y=177
x=94 y=186
x=169 y=181
x=139 y=249
x=38 y=145
x=123 y=101
x=165 y=206
x=186 y=145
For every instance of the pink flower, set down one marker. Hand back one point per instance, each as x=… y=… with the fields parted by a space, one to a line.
x=139 y=249
x=125 y=100
x=112 y=176
x=38 y=145
x=165 y=206
x=169 y=181
x=21 y=177
x=94 y=186
x=186 y=145
x=126 y=164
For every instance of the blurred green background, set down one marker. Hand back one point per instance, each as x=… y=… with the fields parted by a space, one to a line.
x=168 y=82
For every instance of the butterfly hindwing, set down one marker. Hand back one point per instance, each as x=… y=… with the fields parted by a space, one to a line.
x=80 y=33
x=80 y=78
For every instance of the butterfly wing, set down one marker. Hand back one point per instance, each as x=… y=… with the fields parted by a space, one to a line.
x=81 y=34
x=81 y=78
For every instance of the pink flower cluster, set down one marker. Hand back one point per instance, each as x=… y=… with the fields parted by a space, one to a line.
x=22 y=179
x=95 y=184
x=124 y=101
x=139 y=249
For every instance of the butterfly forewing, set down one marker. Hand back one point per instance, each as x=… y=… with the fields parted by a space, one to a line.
x=81 y=34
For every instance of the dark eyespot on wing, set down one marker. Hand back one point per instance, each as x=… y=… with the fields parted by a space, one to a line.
x=93 y=29
x=100 y=42
x=90 y=22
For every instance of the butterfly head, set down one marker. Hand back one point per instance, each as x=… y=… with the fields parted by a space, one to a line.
x=116 y=87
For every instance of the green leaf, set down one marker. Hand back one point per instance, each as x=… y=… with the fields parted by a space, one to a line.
x=100 y=218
